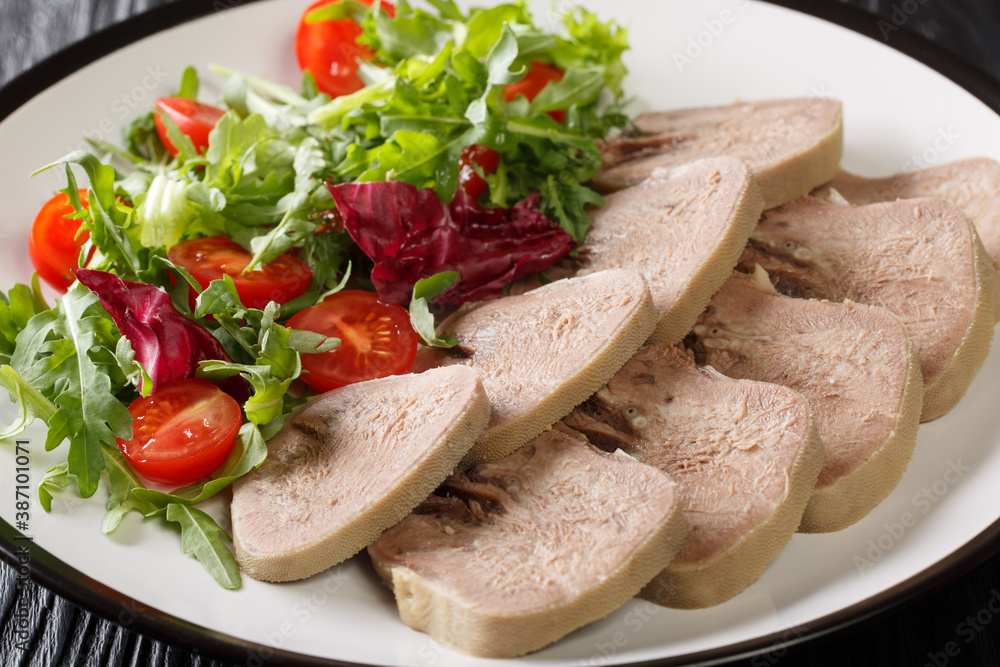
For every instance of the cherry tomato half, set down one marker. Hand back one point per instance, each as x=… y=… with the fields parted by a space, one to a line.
x=53 y=243
x=181 y=432
x=376 y=339
x=487 y=159
x=538 y=76
x=330 y=50
x=207 y=259
x=192 y=118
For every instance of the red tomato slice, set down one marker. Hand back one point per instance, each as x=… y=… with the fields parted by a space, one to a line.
x=376 y=339
x=208 y=259
x=182 y=432
x=192 y=118
x=538 y=76
x=487 y=159
x=330 y=50
x=53 y=243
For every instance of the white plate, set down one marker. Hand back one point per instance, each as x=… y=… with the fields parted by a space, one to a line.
x=898 y=114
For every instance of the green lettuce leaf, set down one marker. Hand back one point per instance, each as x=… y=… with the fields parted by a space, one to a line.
x=424 y=290
x=203 y=538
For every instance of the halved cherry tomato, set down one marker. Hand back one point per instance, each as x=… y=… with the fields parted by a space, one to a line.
x=181 y=432
x=53 y=243
x=330 y=50
x=376 y=339
x=487 y=159
x=538 y=76
x=207 y=259
x=192 y=118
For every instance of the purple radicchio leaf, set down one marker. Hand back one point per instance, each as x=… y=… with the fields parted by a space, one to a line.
x=167 y=344
x=411 y=235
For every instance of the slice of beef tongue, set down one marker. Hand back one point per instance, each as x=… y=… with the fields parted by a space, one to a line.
x=856 y=366
x=350 y=464
x=971 y=184
x=744 y=454
x=792 y=146
x=683 y=230
x=919 y=259
x=515 y=554
x=543 y=352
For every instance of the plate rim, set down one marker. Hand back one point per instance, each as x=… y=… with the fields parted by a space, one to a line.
x=130 y=614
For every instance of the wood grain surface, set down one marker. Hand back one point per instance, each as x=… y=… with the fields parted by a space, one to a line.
x=919 y=633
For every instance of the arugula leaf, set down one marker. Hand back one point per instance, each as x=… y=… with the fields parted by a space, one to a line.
x=142 y=141
x=424 y=290
x=270 y=351
x=203 y=538
x=186 y=151
x=408 y=34
x=218 y=297
x=282 y=238
x=31 y=403
x=501 y=56
x=63 y=370
x=17 y=308
x=122 y=482
x=590 y=42
x=189 y=84
x=56 y=479
x=485 y=26
x=267 y=402
x=578 y=87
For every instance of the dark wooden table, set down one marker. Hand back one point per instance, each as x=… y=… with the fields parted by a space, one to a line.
x=930 y=630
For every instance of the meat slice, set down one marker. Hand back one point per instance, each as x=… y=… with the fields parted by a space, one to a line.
x=684 y=231
x=919 y=259
x=855 y=365
x=745 y=456
x=349 y=465
x=515 y=554
x=543 y=352
x=792 y=146
x=971 y=184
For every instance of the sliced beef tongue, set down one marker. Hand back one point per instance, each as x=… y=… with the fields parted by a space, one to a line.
x=514 y=554
x=792 y=146
x=919 y=259
x=855 y=365
x=683 y=230
x=745 y=456
x=349 y=465
x=541 y=353
x=971 y=184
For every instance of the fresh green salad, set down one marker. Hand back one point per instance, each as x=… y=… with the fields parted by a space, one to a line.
x=229 y=260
